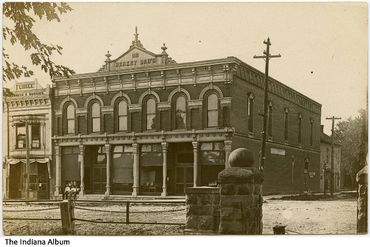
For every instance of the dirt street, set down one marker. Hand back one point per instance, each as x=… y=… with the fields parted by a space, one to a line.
x=311 y=217
x=303 y=217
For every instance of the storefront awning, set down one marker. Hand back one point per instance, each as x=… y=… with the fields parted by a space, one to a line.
x=41 y=161
x=24 y=161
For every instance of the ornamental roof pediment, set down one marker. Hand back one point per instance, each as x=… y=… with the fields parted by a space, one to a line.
x=136 y=56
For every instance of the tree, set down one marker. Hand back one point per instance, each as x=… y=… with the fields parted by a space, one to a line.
x=21 y=18
x=353 y=137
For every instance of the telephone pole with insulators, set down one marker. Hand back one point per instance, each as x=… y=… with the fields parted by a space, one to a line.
x=267 y=56
x=332 y=153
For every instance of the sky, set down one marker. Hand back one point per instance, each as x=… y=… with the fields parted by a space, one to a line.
x=323 y=45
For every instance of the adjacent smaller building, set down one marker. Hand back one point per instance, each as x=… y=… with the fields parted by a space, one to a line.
x=26 y=141
x=325 y=163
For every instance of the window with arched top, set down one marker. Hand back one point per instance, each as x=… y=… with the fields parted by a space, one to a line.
x=311 y=132
x=180 y=112
x=212 y=110
x=299 y=128
x=95 y=117
x=122 y=116
x=250 y=112
x=269 y=129
x=70 y=118
x=286 y=121
x=151 y=108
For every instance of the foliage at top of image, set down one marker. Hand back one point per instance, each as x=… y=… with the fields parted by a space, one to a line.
x=22 y=16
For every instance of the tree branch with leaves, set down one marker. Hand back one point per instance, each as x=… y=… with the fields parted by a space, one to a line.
x=22 y=18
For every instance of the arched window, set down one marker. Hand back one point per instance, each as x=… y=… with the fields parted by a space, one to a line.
x=286 y=120
x=150 y=113
x=180 y=112
x=70 y=119
x=212 y=110
x=95 y=117
x=269 y=129
x=122 y=115
x=250 y=112
x=311 y=132
x=299 y=128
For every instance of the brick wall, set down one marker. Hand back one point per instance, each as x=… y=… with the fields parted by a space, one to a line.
x=164 y=121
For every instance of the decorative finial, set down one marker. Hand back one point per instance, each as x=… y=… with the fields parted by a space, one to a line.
x=136 y=42
x=108 y=56
x=136 y=34
x=164 y=48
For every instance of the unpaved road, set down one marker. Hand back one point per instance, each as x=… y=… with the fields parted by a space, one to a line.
x=303 y=217
x=311 y=217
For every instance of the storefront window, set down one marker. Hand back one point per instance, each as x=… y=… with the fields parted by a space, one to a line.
x=212 y=161
x=151 y=168
x=122 y=169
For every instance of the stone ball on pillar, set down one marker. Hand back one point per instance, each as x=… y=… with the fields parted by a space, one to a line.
x=241 y=157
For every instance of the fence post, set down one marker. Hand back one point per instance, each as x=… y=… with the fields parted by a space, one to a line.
x=67 y=215
x=240 y=195
x=127 y=212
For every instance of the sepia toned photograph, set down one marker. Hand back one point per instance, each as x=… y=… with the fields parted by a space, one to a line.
x=208 y=118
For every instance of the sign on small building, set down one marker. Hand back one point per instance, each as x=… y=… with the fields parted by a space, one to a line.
x=278 y=151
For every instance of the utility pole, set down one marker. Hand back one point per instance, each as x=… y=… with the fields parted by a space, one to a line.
x=267 y=56
x=332 y=153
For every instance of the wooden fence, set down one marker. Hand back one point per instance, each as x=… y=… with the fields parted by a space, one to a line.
x=68 y=208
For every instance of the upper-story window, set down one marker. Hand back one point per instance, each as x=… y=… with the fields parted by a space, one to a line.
x=122 y=115
x=35 y=136
x=269 y=129
x=180 y=112
x=212 y=110
x=250 y=112
x=20 y=136
x=299 y=128
x=286 y=122
x=311 y=132
x=70 y=119
x=150 y=114
x=95 y=117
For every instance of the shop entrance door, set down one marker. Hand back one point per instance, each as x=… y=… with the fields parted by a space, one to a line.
x=184 y=178
x=15 y=181
x=43 y=176
x=99 y=179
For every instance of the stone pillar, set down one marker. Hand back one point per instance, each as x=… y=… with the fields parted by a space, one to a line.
x=362 y=200
x=81 y=158
x=227 y=152
x=202 y=210
x=58 y=171
x=164 y=158
x=195 y=164
x=135 y=186
x=241 y=195
x=108 y=154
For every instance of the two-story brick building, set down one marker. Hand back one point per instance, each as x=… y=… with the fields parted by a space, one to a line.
x=26 y=141
x=325 y=162
x=144 y=124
